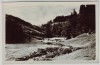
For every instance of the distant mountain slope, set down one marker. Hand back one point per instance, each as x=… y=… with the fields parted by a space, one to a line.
x=19 y=31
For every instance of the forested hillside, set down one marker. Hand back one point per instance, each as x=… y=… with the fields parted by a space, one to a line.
x=72 y=25
x=19 y=31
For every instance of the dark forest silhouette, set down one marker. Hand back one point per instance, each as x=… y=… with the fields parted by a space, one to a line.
x=74 y=24
x=19 y=31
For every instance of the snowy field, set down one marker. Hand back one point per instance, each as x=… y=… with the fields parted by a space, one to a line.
x=80 y=48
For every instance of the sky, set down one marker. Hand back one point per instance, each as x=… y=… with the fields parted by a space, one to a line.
x=38 y=13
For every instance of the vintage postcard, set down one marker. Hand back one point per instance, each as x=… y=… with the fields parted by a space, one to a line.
x=50 y=32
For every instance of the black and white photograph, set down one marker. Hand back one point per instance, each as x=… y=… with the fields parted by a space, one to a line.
x=50 y=31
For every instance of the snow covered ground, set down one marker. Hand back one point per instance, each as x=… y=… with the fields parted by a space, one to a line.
x=80 y=48
x=14 y=51
x=87 y=51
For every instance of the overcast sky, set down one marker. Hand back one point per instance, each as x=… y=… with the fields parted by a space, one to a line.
x=39 y=13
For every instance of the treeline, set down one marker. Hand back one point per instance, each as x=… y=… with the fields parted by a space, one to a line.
x=72 y=25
